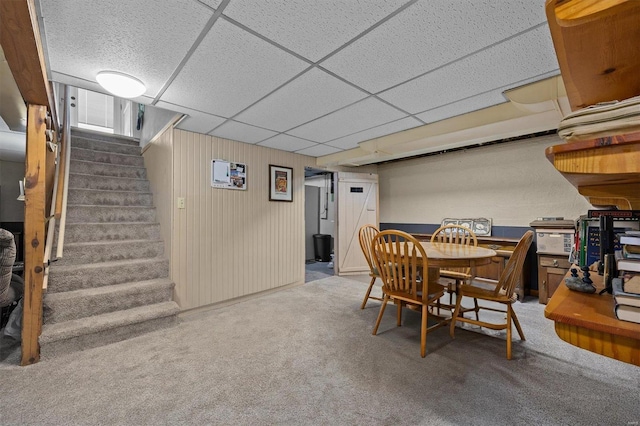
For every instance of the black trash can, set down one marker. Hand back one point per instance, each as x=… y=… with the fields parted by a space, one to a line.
x=322 y=247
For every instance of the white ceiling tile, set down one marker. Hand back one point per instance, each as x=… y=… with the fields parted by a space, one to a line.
x=318 y=150
x=351 y=141
x=429 y=34
x=312 y=29
x=242 y=132
x=363 y=115
x=463 y=106
x=129 y=37
x=518 y=59
x=196 y=121
x=313 y=94
x=230 y=70
x=286 y=143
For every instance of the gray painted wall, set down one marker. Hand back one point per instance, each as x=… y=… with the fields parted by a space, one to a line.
x=155 y=120
x=11 y=210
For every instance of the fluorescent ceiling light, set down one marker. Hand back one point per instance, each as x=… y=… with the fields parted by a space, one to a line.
x=121 y=85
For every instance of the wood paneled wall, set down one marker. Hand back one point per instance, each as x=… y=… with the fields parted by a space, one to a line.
x=227 y=243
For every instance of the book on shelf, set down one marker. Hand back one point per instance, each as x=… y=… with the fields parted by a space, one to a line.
x=587 y=237
x=623 y=297
x=631 y=282
x=630 y=239
x=593 y=243
x=628 y=313
x=629 y=265
x=616 y=214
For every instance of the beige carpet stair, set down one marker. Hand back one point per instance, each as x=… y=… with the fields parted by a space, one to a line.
x=113 y=281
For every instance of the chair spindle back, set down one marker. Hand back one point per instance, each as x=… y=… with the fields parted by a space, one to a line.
x=401 y=262
x=513 y=269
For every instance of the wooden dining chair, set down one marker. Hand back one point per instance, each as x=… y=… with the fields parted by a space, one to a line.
x=366 y=234
x=455 y=234
x=501 y=292
x=402 y=264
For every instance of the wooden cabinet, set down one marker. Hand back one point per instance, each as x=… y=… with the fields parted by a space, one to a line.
x=551 y=271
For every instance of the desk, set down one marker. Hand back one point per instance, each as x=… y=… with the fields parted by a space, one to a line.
x=588 y=322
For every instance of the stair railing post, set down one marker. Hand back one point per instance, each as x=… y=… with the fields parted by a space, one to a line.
x=34 y=232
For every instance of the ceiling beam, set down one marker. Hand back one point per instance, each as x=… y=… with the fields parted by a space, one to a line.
x=20 y=40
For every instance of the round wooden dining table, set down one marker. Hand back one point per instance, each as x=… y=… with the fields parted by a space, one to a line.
x=448 y=255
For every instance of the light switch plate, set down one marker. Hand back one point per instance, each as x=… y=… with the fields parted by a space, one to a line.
x=180 y=202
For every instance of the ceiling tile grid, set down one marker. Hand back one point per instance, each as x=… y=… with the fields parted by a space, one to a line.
x=293 y=74
x=287 y=143
x=319 y=150
x=196 y=121
x=351 y=141
x=230 y=70
x=519 y=58
x=360 y=116
x=242 y=132
x=427 y=35
x=86 y=37
x=462 y=106
x=311 y=95
x=313 y=29
x=211 y=3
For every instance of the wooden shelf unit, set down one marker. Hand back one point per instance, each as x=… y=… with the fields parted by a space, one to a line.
x=588 y=322
x=596 y=43
x=605 y=170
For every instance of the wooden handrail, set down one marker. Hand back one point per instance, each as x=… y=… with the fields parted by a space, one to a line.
x=65 y=159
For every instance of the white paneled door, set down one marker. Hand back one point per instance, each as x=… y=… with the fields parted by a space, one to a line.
x=357 y=206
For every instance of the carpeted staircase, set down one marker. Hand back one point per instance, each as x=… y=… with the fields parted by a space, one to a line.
x=112 y=282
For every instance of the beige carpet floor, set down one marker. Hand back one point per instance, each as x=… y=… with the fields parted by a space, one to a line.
x=306 y=355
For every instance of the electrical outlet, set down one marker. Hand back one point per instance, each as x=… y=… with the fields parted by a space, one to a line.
x=180 y=202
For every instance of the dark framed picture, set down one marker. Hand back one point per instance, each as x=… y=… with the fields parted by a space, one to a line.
x=280 y=183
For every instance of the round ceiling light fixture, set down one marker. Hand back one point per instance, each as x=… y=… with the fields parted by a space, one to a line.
x=120 y=84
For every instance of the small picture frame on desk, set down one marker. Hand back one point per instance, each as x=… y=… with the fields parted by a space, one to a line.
x=280 y=183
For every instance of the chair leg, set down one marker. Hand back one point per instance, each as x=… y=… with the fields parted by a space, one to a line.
x=452 y=290
x=454 y=316
x=366 y=296
x=400 y=304
x=384 y=305
x=476 y=308
x=517 y=323
x=423 y=332
x=509 y=313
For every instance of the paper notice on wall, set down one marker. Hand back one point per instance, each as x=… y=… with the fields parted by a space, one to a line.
x=221 y=171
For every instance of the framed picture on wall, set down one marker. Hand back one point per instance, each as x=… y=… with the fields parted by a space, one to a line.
x=280 y=183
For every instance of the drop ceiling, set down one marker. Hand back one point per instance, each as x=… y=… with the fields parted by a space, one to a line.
x=316 y=77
